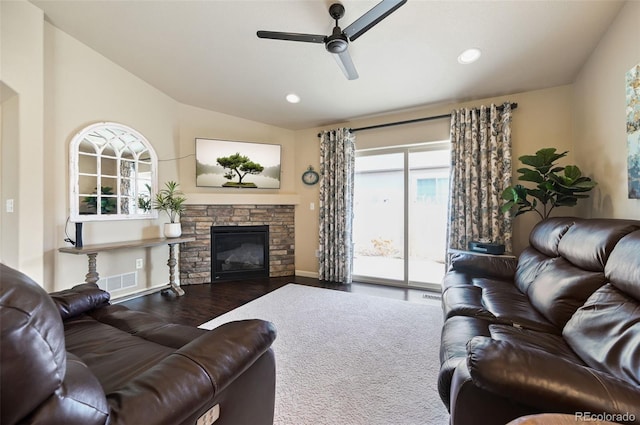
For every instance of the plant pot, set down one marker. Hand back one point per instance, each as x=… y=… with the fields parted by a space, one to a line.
x=172 y=230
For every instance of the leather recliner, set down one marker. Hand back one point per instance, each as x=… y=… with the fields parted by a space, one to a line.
x=556 y=330
x=71 y=357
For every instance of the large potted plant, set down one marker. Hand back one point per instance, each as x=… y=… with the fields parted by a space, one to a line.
x=554 y=186
x=171 y=200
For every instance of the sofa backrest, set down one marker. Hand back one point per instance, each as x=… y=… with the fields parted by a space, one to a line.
x=566 y=262
x=39 y=382
x=543 y=249
x=605 y=331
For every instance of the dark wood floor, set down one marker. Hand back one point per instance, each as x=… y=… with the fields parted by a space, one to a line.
x=204 y=302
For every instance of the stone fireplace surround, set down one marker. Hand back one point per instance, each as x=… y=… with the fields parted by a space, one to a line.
x=195 y=257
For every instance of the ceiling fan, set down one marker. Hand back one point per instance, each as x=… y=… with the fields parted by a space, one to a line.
x=338 y=41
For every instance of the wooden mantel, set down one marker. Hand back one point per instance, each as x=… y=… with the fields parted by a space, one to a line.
x=233 y=197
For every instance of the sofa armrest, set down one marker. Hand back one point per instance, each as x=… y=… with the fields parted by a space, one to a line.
x=79 y=299
x=484 y=265
x=547 y=382
x=189 y=379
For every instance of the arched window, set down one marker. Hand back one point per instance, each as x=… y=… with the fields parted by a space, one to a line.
x=112 y=171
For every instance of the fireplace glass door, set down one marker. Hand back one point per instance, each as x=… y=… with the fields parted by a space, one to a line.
x=239 y=252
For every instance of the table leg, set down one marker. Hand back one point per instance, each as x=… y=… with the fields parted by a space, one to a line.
x=172 y=272
x=92 y=276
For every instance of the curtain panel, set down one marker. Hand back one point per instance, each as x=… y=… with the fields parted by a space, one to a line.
x=337 y=164
x=480 y=171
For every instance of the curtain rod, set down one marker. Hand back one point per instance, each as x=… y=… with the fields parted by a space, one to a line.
x=435 y=117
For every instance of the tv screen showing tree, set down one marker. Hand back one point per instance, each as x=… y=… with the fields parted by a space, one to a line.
x=224 y=163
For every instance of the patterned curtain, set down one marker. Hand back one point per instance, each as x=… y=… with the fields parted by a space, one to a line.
x=337 y=162
x=480 y=171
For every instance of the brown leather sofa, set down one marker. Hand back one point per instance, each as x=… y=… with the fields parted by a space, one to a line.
x=556 y=330
x=71 y=357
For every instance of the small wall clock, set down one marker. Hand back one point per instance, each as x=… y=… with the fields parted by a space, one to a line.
x=310 y=177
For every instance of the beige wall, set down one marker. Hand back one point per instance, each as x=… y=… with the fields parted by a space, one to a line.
x=542 y=119
x=201 y=123
x=21 y=60
x=9 y=189
x=600 y=140
x=82 y=87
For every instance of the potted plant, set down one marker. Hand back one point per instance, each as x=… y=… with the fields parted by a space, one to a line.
x=555 y=186
x=171 y=200
x=144 y=199
x=107 y=203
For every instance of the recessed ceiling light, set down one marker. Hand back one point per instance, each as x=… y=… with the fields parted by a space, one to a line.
x=293 y=98
x=469 y=56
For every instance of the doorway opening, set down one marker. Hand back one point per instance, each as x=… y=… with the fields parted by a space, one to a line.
x=400 y=214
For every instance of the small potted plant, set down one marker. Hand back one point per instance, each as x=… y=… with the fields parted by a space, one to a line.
x=171 y=200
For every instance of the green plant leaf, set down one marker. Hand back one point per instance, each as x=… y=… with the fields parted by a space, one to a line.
x=509 y=194
x=572 y=172
x=530 y=175
x=506 y=207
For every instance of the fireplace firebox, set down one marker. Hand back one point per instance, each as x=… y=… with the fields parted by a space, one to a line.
x=239 y=252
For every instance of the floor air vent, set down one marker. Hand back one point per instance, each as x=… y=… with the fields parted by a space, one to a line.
x=118 y=282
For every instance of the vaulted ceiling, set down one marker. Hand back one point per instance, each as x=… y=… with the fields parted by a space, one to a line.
x=207 y=54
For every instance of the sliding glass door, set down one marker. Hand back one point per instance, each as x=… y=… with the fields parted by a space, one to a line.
x=378 y=225
x=400 y=215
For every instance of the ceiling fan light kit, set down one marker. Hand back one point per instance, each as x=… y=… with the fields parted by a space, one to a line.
x=338 y=42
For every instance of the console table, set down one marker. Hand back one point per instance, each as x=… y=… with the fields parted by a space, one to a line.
x=91 y=251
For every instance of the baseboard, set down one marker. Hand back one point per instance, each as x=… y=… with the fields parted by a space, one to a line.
x=140 y=293
x=303 y=273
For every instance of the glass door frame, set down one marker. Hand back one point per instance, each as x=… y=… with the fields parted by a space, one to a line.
x=406 y=150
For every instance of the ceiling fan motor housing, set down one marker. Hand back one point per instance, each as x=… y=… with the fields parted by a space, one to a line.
x=336 y=42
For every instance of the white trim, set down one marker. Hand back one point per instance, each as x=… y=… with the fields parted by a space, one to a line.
x=303 y=273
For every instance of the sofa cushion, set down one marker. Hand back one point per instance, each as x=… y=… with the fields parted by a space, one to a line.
x=530 y=339
x=588 y=243
x=147 y=326
x=605 y=333
x=561 y=288
x=100 y=346
x=546 y=235
x=513 y=307
x=530 y=263
x=623 y=267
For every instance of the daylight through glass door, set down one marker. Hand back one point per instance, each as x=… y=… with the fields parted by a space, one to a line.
x=400 y=215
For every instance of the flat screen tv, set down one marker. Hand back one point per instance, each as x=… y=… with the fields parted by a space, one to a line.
x=225 y=163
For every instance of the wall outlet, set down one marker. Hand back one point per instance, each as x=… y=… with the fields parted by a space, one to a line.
x=9 y=205
x=312 y=206
x=139 y=263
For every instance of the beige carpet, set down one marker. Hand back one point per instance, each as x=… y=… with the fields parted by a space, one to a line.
x=350 y=359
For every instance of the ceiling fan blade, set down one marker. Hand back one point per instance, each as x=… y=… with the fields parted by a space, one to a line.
x=346 y=64
x=372 y=17
x=291 y=36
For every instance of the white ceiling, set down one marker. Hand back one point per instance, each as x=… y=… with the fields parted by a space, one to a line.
x=206 y=53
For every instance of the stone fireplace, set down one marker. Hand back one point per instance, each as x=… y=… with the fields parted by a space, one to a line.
x=197 y=221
